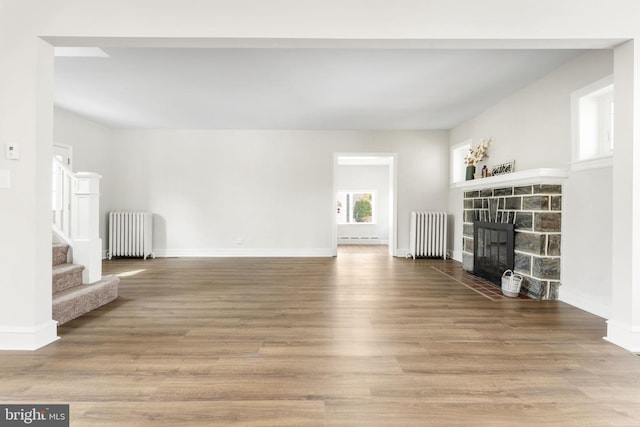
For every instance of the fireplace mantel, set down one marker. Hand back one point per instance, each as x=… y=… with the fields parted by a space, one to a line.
x=527 y=177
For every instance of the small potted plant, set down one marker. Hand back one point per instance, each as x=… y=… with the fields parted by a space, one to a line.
x=474 y=156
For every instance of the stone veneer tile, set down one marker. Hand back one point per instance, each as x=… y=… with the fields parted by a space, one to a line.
x=524 y=221
x=535 y=203
x=554 y=290
x=467 y=245
x=547 y=222
x=553 y=246
x=467 y=261
x=523 y=190
x=469 y=215
x=522 y=263
x=547 y=189
x=530 y=243
x=533 y=288
x=546 y=268
x=467 y=230
x=470 y=194
x=493 y=207
x=513 y=203
x=556 y=203
x=503 y=191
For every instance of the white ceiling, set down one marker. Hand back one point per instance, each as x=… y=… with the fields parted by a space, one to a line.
x=294 y=88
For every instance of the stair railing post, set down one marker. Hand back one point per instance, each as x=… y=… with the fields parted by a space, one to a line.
x=85 y=229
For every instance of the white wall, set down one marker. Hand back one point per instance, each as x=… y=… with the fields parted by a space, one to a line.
x=533 y=126
x=204 y=186
x=92 y=152
x=261 y=192
x=26 y=119
x=586 y=240
x=366 y=178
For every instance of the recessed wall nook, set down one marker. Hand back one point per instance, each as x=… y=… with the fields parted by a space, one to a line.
x=532 y=202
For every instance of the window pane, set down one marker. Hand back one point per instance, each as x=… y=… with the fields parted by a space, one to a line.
x=355 y=207
x=362 y=207
x=592 y=107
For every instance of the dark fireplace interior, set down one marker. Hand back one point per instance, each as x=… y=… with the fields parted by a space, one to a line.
x=493 y=249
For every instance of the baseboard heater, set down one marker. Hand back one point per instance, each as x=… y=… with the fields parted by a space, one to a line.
x=428 y=235
x=130 y=234
x=359 y=239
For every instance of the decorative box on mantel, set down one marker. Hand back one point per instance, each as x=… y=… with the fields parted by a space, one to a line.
x=532 y=201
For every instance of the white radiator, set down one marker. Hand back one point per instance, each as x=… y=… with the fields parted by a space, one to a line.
x=130 y=234
x=428 y=235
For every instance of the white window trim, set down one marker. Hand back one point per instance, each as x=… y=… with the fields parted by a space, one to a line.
x=594 y=163
x=605 y=158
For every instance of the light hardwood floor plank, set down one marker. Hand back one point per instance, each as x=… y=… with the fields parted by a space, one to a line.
x=358 y=340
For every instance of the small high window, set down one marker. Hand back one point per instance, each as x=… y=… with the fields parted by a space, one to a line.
x=458 y=153
x=593 y=116
x=356 y=207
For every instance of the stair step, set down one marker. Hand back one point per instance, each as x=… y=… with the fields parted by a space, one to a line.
x=78 y=300
x=60 y=251
x=66 y=276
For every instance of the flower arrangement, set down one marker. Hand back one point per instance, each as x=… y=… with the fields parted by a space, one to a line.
x=478 y=154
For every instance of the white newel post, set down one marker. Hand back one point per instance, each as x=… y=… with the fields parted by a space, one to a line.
x=85 y=231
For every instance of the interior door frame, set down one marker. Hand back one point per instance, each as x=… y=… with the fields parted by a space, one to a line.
x=392 y=159
x=68 y=149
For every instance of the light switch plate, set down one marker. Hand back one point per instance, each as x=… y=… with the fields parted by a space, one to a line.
x=13 y=151
x=5 y=178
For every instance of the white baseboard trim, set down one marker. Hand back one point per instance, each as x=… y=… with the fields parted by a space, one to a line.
x=402 y=253
x=583 y=302
x=243 y=253
x=623 y=335
x=28 y=338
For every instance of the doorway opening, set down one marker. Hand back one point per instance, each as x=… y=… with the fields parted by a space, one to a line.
x=64 y=153
x=365 y=204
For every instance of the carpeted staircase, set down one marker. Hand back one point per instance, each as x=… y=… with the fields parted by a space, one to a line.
x=71 y=298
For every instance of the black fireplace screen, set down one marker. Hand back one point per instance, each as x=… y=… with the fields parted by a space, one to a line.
x=493 y=249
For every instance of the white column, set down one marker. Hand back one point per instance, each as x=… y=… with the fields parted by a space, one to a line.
x=85 y=230
x=26 y=119
x=623 y=328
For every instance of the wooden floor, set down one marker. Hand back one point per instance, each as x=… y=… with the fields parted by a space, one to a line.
x=358 y=340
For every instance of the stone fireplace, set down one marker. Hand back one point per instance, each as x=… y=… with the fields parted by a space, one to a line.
x=535 y=211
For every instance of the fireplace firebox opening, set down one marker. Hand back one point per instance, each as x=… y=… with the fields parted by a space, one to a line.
x=493 y=251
